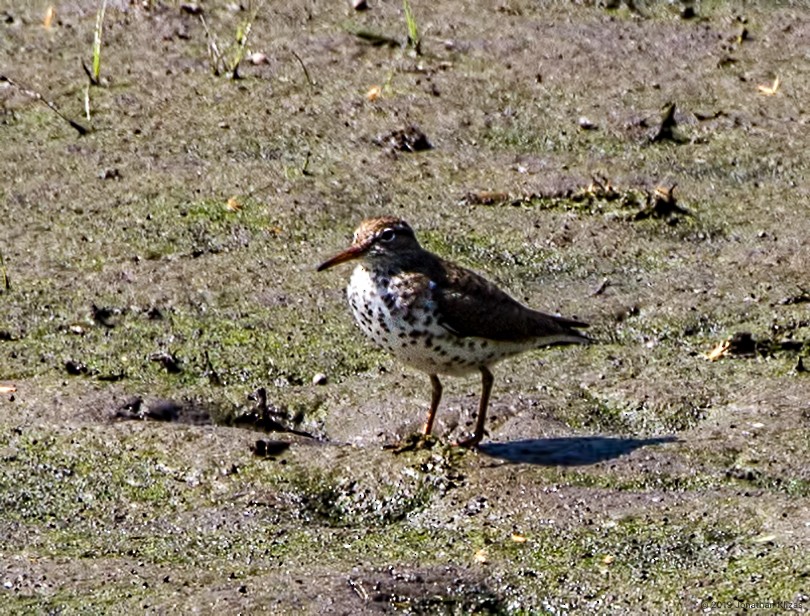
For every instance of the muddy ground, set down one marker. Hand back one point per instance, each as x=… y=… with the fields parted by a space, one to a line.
x=159 y=269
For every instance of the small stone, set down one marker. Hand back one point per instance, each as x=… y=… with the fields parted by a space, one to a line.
x=266 y=449
x=359 y=5
x=75 y=368
x=257 y=57
x=319 y=379
x=110 y=174
x=586 y=124
x=191 y=8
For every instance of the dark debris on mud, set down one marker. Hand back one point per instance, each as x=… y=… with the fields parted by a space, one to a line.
x=441 y=590
x=138 y=409
x=408 y=139
x=599 y=196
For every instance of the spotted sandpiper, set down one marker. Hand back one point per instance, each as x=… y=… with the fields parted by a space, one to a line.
x=439 y=317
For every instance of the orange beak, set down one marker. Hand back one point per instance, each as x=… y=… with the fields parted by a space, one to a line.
x=352 y=252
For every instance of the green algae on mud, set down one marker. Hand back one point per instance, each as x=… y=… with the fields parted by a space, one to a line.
x=705 y=495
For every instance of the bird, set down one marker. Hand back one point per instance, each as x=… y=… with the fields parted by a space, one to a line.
x=437 y=316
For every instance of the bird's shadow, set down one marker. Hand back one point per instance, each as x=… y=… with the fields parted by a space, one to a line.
x=568 y=451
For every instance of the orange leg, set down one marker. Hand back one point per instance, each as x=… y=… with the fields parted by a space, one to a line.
x=435 y=398
x=486 y=389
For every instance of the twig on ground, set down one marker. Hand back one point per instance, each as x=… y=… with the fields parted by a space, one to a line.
x=304 y=67
x=37 y=96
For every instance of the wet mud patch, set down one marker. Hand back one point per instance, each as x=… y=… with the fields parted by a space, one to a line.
x=439 y=590
x=169 y=253
x=387 y=491
x=269 y=417
x=736 y=436
x=136 y=408
x=265 y=417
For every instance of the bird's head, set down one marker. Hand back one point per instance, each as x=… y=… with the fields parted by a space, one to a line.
x=377 y=240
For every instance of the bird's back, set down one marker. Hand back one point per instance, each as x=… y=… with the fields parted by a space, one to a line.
x=470 y=305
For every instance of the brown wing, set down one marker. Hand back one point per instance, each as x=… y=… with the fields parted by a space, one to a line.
x=471 y=305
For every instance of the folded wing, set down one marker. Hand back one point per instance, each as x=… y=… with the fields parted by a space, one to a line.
x=470 y=305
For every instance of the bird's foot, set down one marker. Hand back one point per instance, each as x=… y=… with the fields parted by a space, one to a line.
x=470 y=442
x=413 y=442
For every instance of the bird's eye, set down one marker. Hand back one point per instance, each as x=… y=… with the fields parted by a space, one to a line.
x=387 y=235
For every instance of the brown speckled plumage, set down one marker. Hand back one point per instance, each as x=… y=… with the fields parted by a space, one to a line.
x=437 y=316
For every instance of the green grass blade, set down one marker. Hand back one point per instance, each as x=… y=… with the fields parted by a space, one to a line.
x=413 y=31
x=97 y=41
